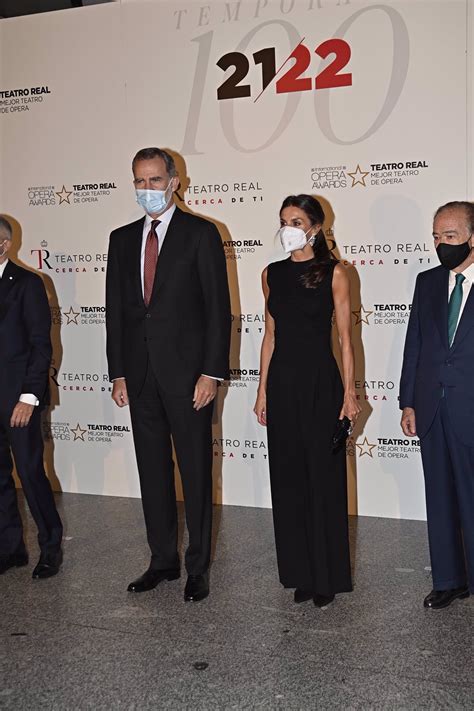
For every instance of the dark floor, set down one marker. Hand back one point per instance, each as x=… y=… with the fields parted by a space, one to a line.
x=80 y=641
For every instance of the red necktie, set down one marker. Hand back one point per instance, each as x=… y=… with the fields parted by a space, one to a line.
x=151 y=258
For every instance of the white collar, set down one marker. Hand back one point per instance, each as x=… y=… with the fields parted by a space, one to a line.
x=3 y=266
x=468 y=273
x=164 y=218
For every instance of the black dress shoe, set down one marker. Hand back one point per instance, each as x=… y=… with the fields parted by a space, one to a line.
x=150 y=579
x=13 y=560
x=437 y=599
x=48 y=565
x=322 y=600
x=302 y=595
x=197 y=587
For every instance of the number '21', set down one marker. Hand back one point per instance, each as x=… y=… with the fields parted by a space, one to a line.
x=292 y=80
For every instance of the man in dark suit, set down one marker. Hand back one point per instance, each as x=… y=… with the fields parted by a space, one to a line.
x=437 y=399
x=168 y=334
x=25 y=353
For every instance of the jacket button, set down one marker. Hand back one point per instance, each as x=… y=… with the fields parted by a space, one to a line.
x=448 y=362
x=147 y=315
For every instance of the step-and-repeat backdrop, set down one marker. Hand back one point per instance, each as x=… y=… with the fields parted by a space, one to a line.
x=362 y=104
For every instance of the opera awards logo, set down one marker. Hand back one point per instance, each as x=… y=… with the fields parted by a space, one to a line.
x=64 y=195
x=366 y=175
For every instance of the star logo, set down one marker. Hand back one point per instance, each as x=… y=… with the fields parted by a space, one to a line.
x=71 y=316
x=63 y=195
x=358 y=176
x=78 y=433
x=362 y=316
x=366 y=448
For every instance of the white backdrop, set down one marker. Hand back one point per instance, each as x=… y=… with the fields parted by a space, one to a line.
x=381 y=138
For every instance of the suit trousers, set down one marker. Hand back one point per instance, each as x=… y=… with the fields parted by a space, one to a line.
x=26 y=444
x=158 y=419
x=448 y=467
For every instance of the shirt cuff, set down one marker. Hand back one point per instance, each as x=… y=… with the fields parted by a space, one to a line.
x=213 y=377
x=29 y=399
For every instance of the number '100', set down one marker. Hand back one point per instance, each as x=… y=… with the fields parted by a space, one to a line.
x=291 y=81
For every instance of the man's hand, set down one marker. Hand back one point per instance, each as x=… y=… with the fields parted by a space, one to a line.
x=21 y=414
x=408 y=422
x=119 y=392
x=204 y=392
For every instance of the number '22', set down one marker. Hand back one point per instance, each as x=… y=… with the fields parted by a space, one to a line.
x=292 y=80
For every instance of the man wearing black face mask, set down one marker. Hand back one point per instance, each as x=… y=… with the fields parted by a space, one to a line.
x=25 y=354
x=437 y=399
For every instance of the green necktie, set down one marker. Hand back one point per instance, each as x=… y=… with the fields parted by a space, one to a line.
x=454 y=307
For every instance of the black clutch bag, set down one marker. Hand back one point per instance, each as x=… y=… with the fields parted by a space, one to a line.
x=341 y=433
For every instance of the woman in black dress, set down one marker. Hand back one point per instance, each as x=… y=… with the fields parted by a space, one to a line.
x=300 y=398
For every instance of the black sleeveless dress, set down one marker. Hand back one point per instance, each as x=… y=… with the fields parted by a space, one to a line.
x=304 y=399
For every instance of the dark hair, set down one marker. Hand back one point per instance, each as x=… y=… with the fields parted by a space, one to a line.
x=150 y=153
x=323 y=258
x=5 y=226
x=468 y=208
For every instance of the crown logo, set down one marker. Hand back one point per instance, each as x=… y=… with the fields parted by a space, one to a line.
x=330 y=232
x=44 y=244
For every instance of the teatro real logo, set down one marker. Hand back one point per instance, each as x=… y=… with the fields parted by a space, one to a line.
x=383 y=315
x=64 y=195
x=362 y=316
x=365 y=448
x=71 y=316
x=78 y=433
x=358 y=176
x=79 y=316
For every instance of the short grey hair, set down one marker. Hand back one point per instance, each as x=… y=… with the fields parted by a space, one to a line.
x=150 y=153
x=5 y=227
x=467 y=207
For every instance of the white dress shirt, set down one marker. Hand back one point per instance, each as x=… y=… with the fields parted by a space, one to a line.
x=27 y=398
x=468 y=273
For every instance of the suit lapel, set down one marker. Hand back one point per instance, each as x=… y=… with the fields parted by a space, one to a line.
x=170 y=250
x=11 y=276
x=467 y=319
x=439 y=302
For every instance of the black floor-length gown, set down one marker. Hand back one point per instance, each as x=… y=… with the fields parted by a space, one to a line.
x=304 y=399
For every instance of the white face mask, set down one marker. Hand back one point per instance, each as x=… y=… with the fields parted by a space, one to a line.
x=154 y=201
x=293 y=238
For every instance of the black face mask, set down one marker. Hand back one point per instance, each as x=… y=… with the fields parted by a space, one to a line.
x=452 y=255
